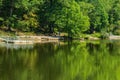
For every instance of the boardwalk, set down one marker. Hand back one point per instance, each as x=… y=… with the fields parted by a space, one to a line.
x=28 y=39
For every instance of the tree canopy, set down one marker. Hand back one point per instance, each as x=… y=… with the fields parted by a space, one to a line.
x=73 y=17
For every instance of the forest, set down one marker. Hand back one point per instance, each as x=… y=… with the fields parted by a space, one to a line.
x=72 y=17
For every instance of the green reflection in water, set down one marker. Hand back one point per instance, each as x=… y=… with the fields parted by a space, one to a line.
x=61 y=61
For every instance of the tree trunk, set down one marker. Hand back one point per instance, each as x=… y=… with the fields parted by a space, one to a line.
x=11 y=13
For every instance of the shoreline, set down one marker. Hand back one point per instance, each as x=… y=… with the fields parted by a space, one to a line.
x=28 y=39
x=44 y=39
x=114 y=37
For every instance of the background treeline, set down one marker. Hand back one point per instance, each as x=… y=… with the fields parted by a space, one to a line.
x=74 y=17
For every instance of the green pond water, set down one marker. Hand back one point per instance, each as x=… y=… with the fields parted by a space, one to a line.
x=92 y=60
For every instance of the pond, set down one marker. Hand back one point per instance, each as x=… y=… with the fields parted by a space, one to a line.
x=90 y=60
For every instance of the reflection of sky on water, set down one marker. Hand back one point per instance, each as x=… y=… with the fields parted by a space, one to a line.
x=16 y=46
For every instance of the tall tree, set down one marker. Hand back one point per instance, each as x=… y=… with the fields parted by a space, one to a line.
x=66 y=17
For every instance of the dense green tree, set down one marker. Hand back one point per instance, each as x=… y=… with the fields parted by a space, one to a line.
x=27 y=19
x=114 y=18
x=69 y=16
x=15 y=12
x=66 y=18
x=99 y=17
x=114 y=12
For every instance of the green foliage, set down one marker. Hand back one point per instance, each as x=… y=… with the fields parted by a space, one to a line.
x=75 y=21
x=115 y=10
x=74 y=17
x=99 y=17
x=1 y=19
x=29 y=23
x=104 y=35
x=116 y=29
x=1 y=3
x=86 y=8
x=116 y=32
x=67 y=18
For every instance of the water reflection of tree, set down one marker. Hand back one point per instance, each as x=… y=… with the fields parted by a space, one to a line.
x=75 y=61
x=105 y=63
